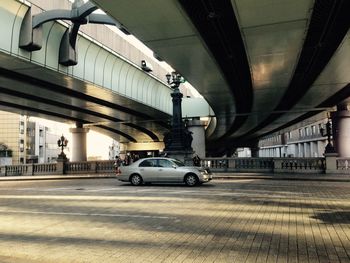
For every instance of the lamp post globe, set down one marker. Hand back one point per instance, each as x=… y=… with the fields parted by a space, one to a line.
x=62 y=143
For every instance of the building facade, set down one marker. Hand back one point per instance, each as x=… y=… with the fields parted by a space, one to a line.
x=28 y=141
x=13 y=135
x=41 y=144
x=302 y=140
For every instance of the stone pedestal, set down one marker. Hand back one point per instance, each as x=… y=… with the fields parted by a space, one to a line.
x=79 y=144
x=60 y=166
x=331 y=162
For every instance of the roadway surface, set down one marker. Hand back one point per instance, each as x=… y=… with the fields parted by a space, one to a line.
x=104 y=220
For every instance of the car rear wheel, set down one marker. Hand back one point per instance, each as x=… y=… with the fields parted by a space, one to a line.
x=135 y=179
x=191 y=180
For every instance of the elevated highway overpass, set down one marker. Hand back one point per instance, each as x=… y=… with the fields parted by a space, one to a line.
x=261 y=65
x=106 y=90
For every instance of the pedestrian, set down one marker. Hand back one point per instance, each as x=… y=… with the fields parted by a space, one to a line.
x=117 y=164
x=196 y=160
x=127 y=159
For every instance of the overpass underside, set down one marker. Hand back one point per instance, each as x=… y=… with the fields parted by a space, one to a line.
x=261 y=65
x=104 y=91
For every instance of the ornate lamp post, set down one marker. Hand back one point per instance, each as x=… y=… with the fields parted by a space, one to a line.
x=179 y=139
x=174 y=80
x=62 y=142
x=328 y=132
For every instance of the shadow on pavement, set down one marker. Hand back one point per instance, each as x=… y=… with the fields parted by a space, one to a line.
x=336 y=217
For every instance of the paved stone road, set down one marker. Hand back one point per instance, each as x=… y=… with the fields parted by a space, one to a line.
x=104 y=220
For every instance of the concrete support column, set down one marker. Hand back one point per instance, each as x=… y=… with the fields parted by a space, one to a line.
x=341 y=130
x=196 y=126
x=79 y=143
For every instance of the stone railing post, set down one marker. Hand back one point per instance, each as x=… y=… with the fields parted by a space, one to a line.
x=331 y=162
x=30 y=170
x=60 y=166
x=93 y=167
x=277 y=165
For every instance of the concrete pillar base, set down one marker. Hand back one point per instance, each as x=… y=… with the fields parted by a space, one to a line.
x=196 y=126
x=341 y=131
x=79 y=144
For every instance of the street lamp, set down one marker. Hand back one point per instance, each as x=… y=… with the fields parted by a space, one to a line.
x=179 y=139
x=62 y=142
x=327 y=132
x=174 y=79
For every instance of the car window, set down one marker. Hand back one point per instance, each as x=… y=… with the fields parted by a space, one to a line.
x=178 y=163
x=164 y=163
x=148 y=163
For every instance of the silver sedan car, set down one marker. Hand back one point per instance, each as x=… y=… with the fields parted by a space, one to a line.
x=163 y=170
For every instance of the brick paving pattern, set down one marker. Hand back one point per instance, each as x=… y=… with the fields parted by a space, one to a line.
x=103 y=220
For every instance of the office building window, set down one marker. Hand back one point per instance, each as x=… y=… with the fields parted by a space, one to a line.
x=21 y=127
x=300 y=133
x=307 y=133
x=21 y=145
x=313 y=129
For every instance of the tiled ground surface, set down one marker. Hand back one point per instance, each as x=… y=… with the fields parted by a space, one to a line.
x=104 y=220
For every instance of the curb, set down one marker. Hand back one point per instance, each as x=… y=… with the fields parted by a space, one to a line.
x=215 y=177
x=316 y=179
x=52 y=177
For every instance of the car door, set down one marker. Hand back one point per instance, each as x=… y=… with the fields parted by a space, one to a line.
x=166 y=171
x=148 y=170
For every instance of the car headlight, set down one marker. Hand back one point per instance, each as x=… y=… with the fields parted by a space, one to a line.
x=204 y=171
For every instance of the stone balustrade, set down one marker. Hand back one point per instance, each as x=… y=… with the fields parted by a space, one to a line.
x=343 y=164
x=238 y=164
x=45 y=168
x=256 y=165
x=57 y=168
x=300 y=165
x=266 y=165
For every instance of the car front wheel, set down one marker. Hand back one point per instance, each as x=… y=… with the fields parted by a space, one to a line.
x=135 y=179
x=191 y=180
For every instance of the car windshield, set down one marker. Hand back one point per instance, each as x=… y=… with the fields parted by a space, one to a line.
x=178 y=163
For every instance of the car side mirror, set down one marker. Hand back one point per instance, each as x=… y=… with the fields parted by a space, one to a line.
x=174 y=166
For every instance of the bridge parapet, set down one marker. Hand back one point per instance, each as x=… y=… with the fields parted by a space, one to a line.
x=343 y=164
x=216 y=165
x=266 y=165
